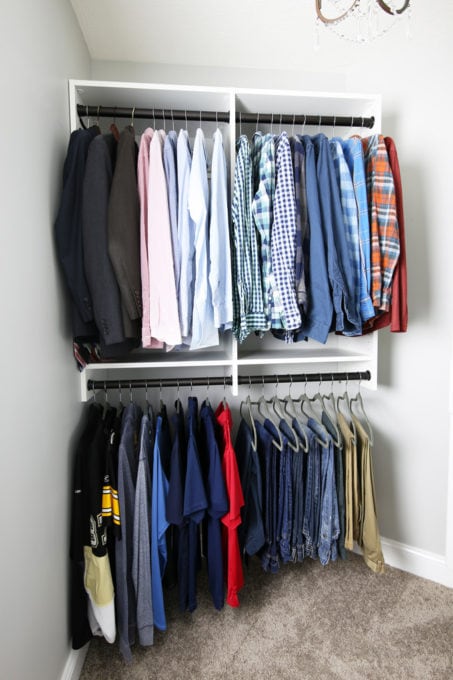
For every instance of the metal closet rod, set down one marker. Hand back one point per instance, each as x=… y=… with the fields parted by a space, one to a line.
x=227 y=380
x=223 y=116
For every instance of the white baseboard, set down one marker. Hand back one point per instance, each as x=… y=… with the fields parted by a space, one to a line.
x=419 y=562
x=74 y=663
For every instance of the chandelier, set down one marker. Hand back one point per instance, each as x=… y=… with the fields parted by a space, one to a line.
x=360 y=20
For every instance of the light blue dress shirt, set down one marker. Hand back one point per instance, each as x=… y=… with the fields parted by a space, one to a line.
x=219 y=239
x=186 y=238
x=204 y=332
x=353 y=153
x=172 y=191
x=159 y=524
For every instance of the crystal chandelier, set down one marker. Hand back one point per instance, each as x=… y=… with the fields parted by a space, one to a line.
x=360 y=20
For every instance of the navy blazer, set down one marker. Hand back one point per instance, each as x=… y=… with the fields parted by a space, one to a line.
x=68 y=231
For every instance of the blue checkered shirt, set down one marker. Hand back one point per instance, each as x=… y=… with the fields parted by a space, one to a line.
x=351 y=223
x=283 y=250
x=263 y=158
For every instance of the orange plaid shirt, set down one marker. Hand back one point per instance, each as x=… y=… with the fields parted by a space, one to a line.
x=384 y=232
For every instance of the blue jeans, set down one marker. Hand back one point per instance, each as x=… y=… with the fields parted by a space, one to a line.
x=339 y=483
x=329 y=528
x=285 y=501
x=297 y=538
x=312 y=497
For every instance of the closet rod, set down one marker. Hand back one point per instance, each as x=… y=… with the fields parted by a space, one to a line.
x=227 y=380
x=222 y=116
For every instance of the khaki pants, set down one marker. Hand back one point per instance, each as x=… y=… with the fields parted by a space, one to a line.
x=369 y=538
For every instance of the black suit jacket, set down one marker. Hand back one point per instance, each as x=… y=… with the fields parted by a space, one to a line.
x=68 y=232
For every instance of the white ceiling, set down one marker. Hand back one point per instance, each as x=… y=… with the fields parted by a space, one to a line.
x=237 y=33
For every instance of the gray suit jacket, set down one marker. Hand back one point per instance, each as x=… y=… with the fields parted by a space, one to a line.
x=124 y=224
x=98 y=268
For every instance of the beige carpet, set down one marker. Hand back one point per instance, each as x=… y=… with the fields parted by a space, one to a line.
x=308 y=621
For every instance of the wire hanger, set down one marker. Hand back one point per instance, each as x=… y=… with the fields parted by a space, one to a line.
x=344 y=398
x=290 y=410
x=359 y=401
x=330 y=399
x=304 y=401
x=249 y=416
x=319 y=398
x=281 y=415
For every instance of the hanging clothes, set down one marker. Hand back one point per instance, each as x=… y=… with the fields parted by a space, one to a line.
x=351 y=224
x=318 y=321
x=142 y=181
x=248 y=300
x=186 y=237
x=124 y=226
x=163 y=305
x=302 y=224
x=204 y=331
x=232 y=519
x=127 y=474
x=251 y=530
x=283 y=235
x=397 y=316
x=217 y=502
x=159 y=521
x=195 y=503
x=69 y=237
x=141 y=556
x=263 y=159
x=80 y=524
x=98 y=267
x=385 y=246
x=219 y=239
x=175 y=502
x=353 y=153
x=170 y=145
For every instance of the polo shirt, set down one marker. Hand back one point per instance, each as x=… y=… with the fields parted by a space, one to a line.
x=232 y=519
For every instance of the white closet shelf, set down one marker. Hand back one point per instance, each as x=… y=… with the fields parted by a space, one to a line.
x=183 y=363
x=310 y=357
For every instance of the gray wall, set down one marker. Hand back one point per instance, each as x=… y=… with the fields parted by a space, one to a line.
x=42 y=47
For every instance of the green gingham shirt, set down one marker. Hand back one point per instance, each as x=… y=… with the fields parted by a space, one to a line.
x=248 y=311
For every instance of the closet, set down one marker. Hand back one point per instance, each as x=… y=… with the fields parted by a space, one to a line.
x=296 y=467
x=234 y=111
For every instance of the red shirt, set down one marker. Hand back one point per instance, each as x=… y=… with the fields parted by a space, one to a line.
x=232 y=519
x=397 y=315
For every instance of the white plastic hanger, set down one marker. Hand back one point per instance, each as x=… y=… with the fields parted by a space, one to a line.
x=344 y=399
x=281 y=415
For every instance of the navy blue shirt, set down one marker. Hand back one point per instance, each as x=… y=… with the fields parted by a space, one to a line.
x=251 y=530
x=175 y=504
x=345 y=295
x=195 y=502
x=217 y=503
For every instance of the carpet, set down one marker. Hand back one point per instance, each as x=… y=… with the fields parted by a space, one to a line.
x=341 y=621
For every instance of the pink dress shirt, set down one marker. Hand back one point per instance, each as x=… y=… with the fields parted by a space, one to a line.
x=163 y=301
x=142 y=179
